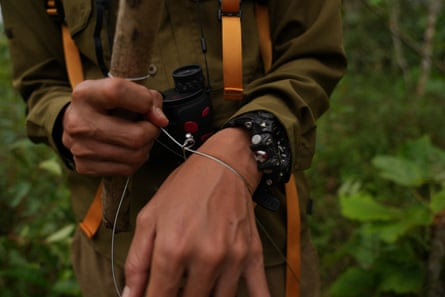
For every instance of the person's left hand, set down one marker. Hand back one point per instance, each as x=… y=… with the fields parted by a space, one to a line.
x=200 y=226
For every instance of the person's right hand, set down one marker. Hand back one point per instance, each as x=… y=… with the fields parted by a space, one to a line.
x=103 y=143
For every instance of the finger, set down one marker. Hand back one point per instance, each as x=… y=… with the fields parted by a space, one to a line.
x=111 y=130
x=254 y=273
x=256 y=281
x=166 y=271
x=227 y=284
x=139 y=256
x=116 y=93
x=200 y=281
x=104 y=168
x=156 y=115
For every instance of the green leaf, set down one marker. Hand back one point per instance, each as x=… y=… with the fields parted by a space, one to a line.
x=51 y=166
x=401 y=279
x=401 y=171
x=354 y=282
x=391 y=231
x=21 y=190
x=364 y=208
x=437 y=203
x=61 y=235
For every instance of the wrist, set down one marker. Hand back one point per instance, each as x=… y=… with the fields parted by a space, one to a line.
x=232 y=146
x=270 y=147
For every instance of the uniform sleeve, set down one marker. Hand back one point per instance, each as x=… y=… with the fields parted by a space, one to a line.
x=38 y=67
x=308 y=61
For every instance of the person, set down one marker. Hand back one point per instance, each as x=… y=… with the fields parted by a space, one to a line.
x=194 y=229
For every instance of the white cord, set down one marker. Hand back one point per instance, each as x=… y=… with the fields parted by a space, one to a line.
x=132 y=78
x=113 y=236
x=186 y=147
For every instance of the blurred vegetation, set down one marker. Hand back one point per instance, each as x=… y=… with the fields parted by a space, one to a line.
x=378 y=178
x=36 y=222
x=378 y=174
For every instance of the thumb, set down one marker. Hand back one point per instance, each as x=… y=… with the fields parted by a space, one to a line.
x=156 y=115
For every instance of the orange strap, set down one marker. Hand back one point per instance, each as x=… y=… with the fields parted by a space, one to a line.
x=72 y=58
x=293 y=270
x=232 y=49
x=93 y=218
x=262 y=16
x=293 y=253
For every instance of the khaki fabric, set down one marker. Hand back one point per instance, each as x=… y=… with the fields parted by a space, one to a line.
x=308 y=61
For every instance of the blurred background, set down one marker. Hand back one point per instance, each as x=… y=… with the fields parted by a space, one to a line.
x=378 y=177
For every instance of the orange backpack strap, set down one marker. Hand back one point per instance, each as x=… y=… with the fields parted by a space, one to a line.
x=230 y=14
x=293 y=253
x=72 y=57
x=293 y=249
x=93 y=218
x=263 y=26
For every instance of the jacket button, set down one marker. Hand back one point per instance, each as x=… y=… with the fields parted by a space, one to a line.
x=152 y=69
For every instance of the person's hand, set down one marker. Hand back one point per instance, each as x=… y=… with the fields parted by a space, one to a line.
x=200 y=227
x=103 y=142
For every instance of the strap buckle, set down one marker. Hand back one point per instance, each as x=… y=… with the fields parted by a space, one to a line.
x=54 y=8
x=231 y=9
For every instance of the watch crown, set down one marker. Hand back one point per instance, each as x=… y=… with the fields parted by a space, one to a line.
x=256 y=139
x=248 y=125
x=261 y=156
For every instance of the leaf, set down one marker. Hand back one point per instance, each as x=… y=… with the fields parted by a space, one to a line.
x=401 y=279
x=437 y=203
x=401 y=171
x=61 y=235
x=21 y=189
x=353 y=282
x=51 y=166
x=364 y=208
x=391 y=231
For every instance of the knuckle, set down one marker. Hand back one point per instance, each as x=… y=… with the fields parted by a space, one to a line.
x=173 y=252
x=140 y=156
x=256 y=248
x=138 y=138
x=80 y=91
x=239 y=252
x=142 y=218
x=132 y=267
x=212 y=255
x=114 y=89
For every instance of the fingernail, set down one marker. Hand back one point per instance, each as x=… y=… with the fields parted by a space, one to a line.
x=126 y=292
x=159 y=112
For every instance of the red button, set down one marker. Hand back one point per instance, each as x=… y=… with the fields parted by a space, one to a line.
x=191 y=127
x=205 y=112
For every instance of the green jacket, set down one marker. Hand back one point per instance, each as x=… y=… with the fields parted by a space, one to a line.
x=308 y=61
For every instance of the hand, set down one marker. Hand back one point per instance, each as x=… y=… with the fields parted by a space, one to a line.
x=200 y=226
x=104 y=143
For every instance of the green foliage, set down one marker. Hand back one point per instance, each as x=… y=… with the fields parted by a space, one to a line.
x=378 y=150
x=36 y=223
x=390 y=244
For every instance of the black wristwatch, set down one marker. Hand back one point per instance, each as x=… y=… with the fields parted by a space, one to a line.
x=270 y=145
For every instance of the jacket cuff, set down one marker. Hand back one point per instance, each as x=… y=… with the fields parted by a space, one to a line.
x=56 y=134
